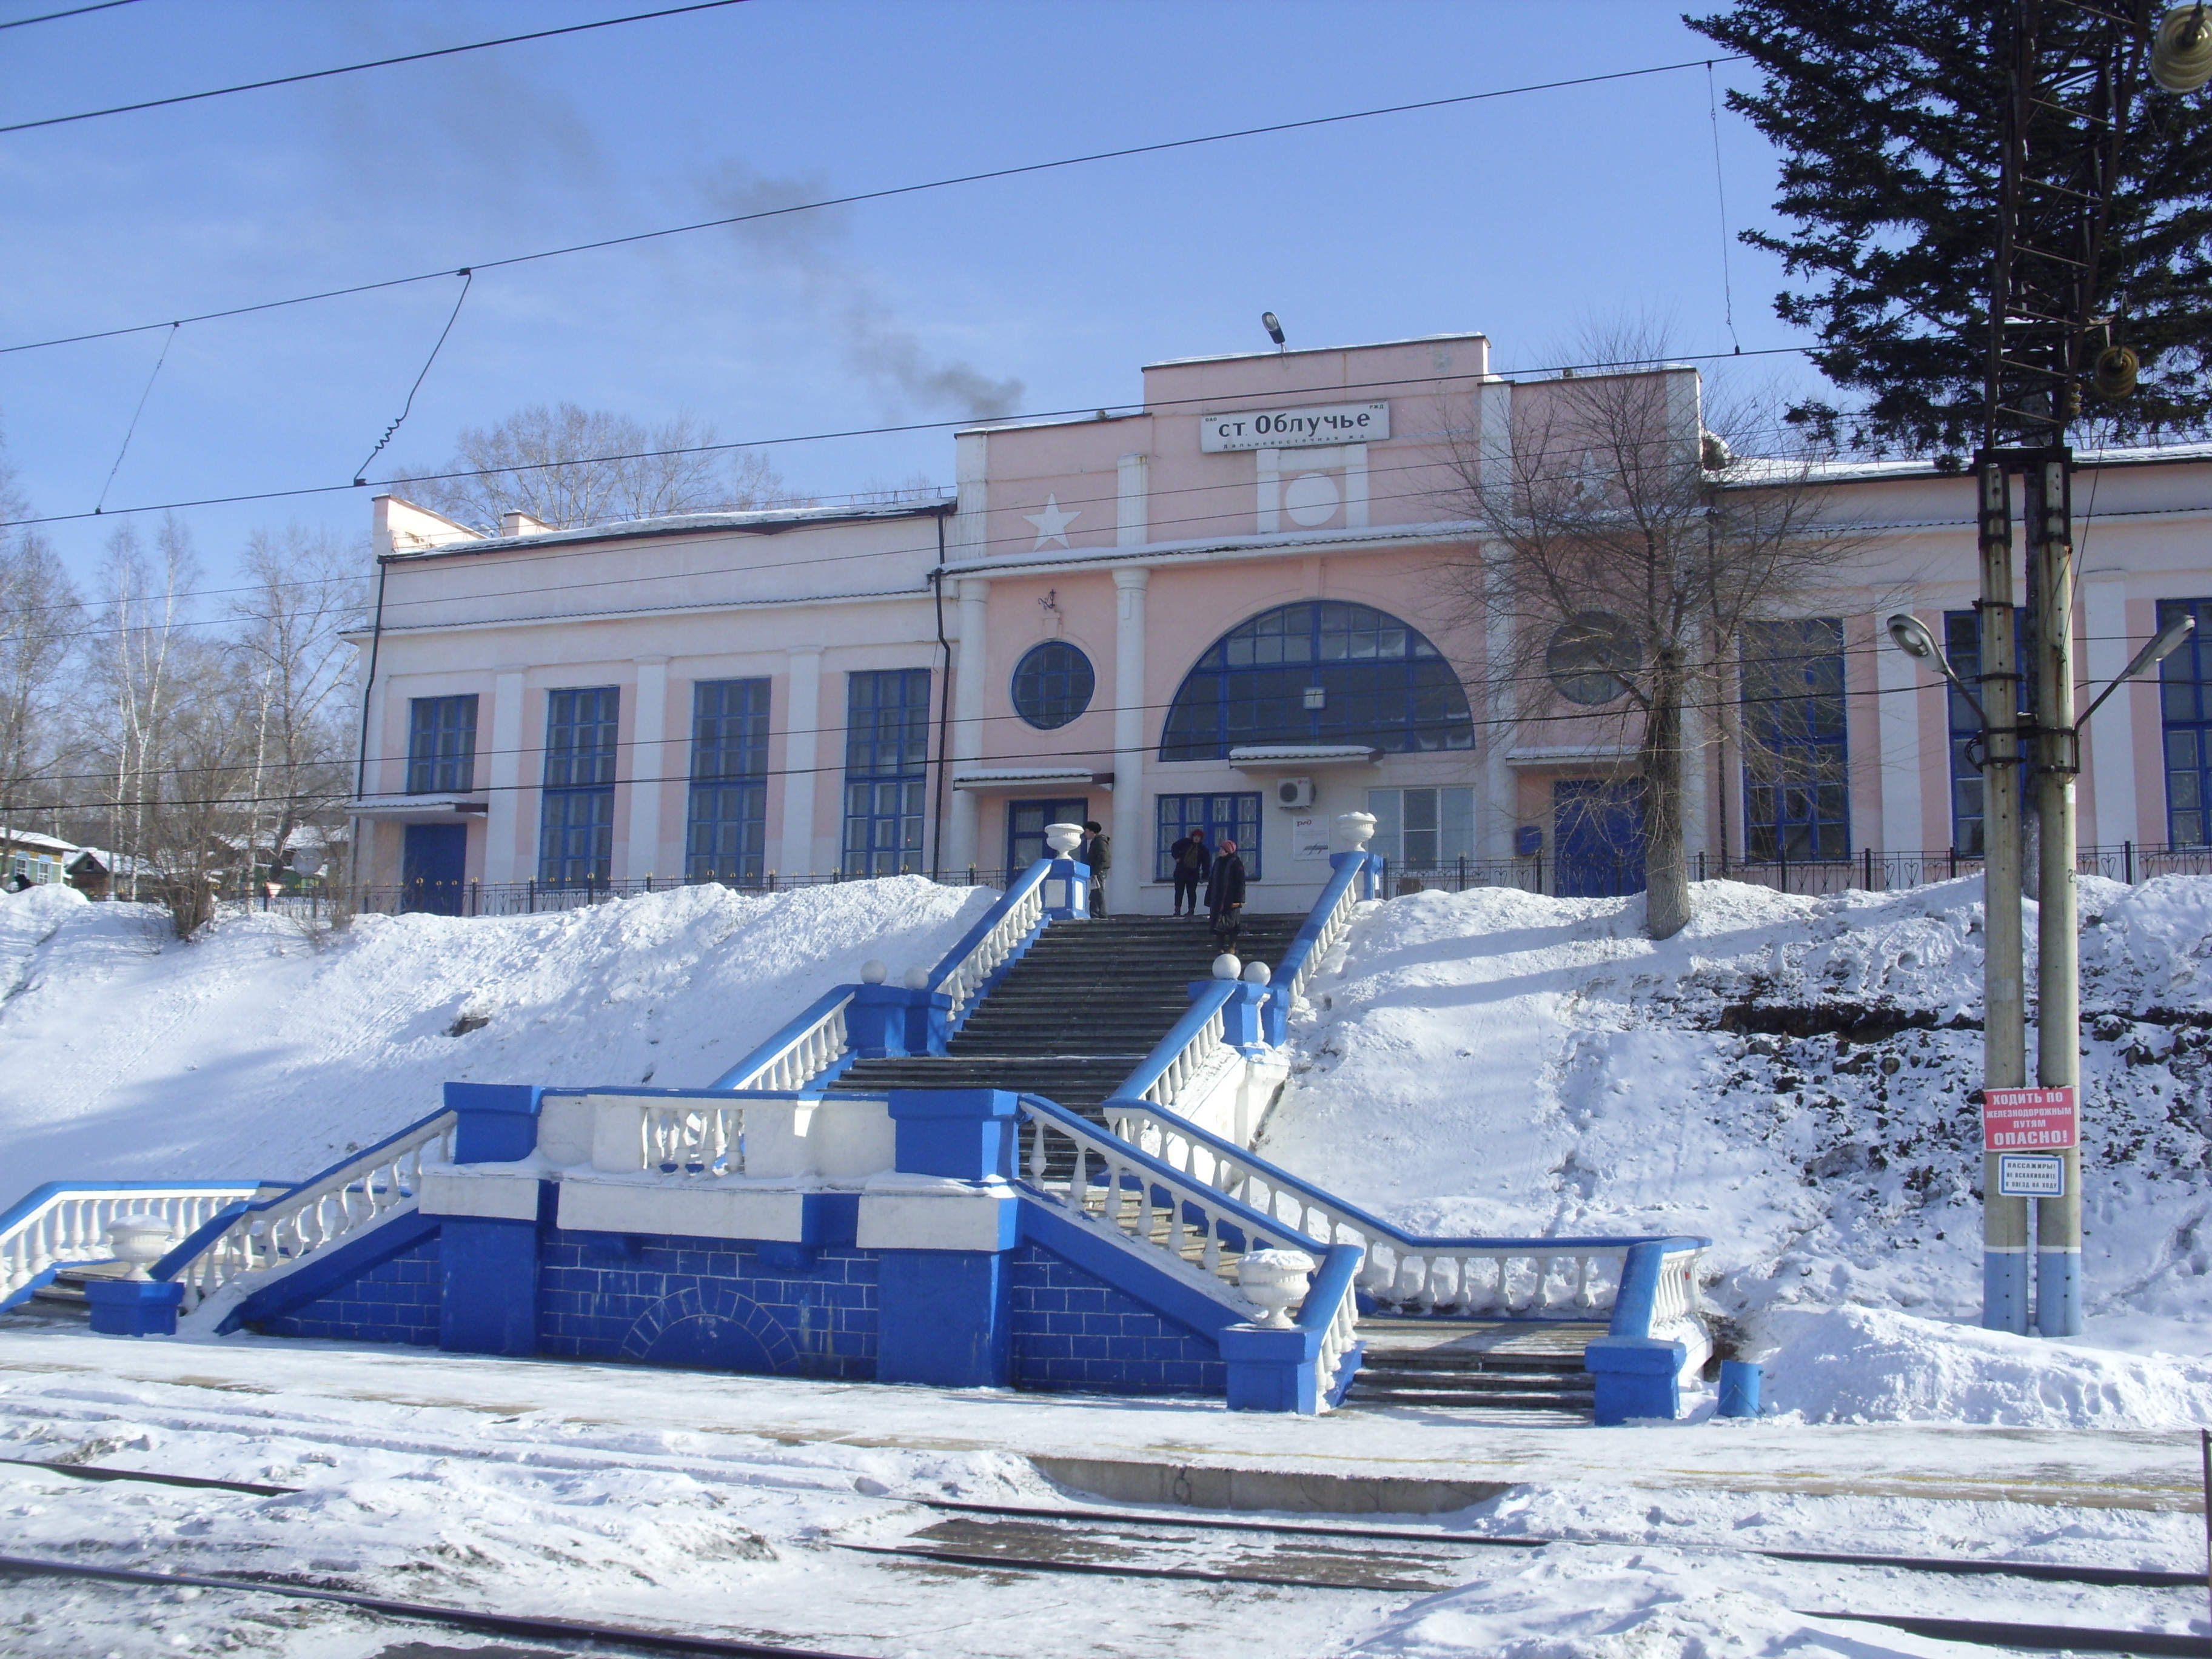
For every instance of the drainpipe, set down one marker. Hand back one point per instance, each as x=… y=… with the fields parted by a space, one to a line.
x=361 y=762
x=943 y=708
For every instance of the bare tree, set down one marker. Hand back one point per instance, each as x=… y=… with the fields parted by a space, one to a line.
x=1627 y=555
x=142 y=606
x=567 y=466
x=42 y=621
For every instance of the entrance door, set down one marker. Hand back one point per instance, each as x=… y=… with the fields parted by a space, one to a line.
x=1025 y=823
x=1597 y=837
x=433 y=866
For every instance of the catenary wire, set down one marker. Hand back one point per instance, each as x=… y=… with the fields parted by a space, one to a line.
x=74 y=11
x=125 y=449
x=468 y=280
x=353 y=69
x=881 y=195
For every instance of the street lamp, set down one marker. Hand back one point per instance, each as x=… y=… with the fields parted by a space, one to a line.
x=1913 y=639
x=2162 y=645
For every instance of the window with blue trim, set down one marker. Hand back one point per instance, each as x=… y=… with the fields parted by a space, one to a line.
x=725 y=830
x=1962 y=644
x=2184 y=707
x=576 y=821
x=886 y=771
x=1233 y=816
x=442 y=745
x=1053 y=683
x=1321 y=671
x=1796 y=753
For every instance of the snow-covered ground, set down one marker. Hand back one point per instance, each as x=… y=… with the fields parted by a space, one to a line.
x=268 y=1048
x=1500 y=1062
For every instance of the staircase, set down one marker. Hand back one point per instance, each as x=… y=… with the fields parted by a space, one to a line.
x=1517 y=1366
x=61 y=1299
x=1074 y=1016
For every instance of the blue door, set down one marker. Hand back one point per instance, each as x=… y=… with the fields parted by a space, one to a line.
x=433 y=867
x=1597 y=838
x=1025 y=823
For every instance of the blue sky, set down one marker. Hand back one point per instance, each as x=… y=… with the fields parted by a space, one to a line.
x=1525 y=218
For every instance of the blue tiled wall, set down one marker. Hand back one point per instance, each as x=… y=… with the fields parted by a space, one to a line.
x=709 y=1303
x=1073 y=1330
x=396 y=1301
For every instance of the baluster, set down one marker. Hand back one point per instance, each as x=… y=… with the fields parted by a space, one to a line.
x=1079 y=1179
x=1174 y=1222
x=1035 y=1126
x=1211 y=1259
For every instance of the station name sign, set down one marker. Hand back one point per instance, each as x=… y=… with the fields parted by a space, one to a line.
x=2029 y=1119
x=1293 y=428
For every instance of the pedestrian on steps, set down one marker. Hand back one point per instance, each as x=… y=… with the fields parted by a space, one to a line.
x=1097 y=850
x=1191 y=861
x=1224 y=895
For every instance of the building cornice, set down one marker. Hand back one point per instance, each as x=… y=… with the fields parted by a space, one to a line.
x=1214 y=549
x=888 y=596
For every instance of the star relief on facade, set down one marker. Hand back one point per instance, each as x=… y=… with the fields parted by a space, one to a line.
x=1051 y=524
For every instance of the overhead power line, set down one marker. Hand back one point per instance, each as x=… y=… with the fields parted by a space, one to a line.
x=863 y=196
x=349 y=68
x=74 y=11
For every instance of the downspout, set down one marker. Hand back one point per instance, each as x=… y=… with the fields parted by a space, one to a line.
x=361 y=762
x=943 y=708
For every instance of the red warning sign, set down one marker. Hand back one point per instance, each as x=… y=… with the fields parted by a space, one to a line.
x=2029 y=1119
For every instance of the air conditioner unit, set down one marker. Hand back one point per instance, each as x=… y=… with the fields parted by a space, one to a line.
x=1294 y=791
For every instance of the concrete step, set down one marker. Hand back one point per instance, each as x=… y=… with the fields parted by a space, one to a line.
x=1475 y=1365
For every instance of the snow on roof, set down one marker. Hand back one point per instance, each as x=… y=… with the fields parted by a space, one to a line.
x=686 y=524
x=31 y=838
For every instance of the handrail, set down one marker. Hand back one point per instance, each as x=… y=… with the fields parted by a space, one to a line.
x=62 y=1223
x=1325 y=925
x=1001 y=933
x=1403 y=1270
x=1332 y=1307
x=810 y=1050
x=1189 y=1052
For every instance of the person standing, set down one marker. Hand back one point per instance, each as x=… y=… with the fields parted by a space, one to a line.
x=1191 y=861
x=1097 y=850
x=1224 y=895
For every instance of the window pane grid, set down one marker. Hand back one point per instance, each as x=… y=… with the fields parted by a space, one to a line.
x=1796 y=801
x=576 y=834
x=2185 y=697
x=725 y=826
x=442 y=745
x=1233 y=815
x=886 y=766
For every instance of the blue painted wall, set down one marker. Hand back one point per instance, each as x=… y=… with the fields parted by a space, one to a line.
x=1073 y=1331
x=395 y=1301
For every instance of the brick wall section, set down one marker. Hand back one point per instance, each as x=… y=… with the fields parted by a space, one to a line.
x=394 y=1302
x=664 y=1300
x=1073 y=1331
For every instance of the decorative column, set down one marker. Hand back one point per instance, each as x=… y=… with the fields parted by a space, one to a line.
x=970 y=668
x=1897 y=684
x=503 y=858
x=2111 y=747
x=648 y=770
x=1133 y=504
x=794 y=850
x=1132 y=845
x=1501 y=789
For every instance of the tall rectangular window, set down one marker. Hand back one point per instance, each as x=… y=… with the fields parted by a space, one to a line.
x=726 y=834
x=886 y=771
x=442 y=745
x=2185 y=707
x=1796 y=792
x=1962 y=644
x=1423 y=829
x=1233 y=817
x=576 y=826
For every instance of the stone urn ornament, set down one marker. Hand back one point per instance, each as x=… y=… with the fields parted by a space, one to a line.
x=1063 y=838
x=139 y=1238
x=1353 y=832
x=1276 y=1280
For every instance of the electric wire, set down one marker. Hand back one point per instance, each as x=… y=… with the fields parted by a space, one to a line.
x=74 y=11
x=1720 y=194
x=468 y=280
x=109 y=482
x=353 y=69
x=878 y=194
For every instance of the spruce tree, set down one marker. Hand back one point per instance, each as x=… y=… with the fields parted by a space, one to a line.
x=1890 y=118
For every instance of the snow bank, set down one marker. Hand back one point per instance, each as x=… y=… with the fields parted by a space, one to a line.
x=1870 y=1365
x=268 y=1050
x=1793 y=1078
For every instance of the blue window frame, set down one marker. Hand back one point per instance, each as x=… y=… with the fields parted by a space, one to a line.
x=886 y=771
x=442 y=745
x=1228 y=816
x=2185 y=707
x=1318 y=671
x=1962 y=644
x=576 y=822
x=725 y=830
x=1053 y=685
x=1796 y=750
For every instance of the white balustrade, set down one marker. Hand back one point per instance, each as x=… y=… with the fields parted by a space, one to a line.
x=1195 y=1068
x=71 y=1226
x=1022 y=918
x=1338 y=1340
x=800 y=1061
x=381 y=1183
x=1334 y=926
x=839 y=1136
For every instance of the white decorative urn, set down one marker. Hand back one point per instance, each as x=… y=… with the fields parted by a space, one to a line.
x=139 y=1238
x=1063 y=838
x=1276 y=1280
x=1353 y=832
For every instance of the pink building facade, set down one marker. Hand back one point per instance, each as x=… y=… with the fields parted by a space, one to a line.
x=1227 y=610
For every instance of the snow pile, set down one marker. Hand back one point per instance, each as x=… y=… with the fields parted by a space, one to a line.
x=268 y=1049
x=1793 y=1078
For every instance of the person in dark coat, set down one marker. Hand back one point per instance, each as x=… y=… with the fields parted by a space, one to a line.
x=1224 y=893
x=1097 y=850
x=1191 y=861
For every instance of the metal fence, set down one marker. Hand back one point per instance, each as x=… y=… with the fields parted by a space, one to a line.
x=523 y=898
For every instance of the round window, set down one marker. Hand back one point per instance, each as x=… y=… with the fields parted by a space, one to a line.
x=1589 y=655
x=1053 y=683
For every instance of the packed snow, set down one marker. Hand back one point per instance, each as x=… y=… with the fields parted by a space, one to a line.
x=271 y=1046
x=1498 y=1062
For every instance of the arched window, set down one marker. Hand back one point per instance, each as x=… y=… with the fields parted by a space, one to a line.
x=1319 y=672
x=1053 y=683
